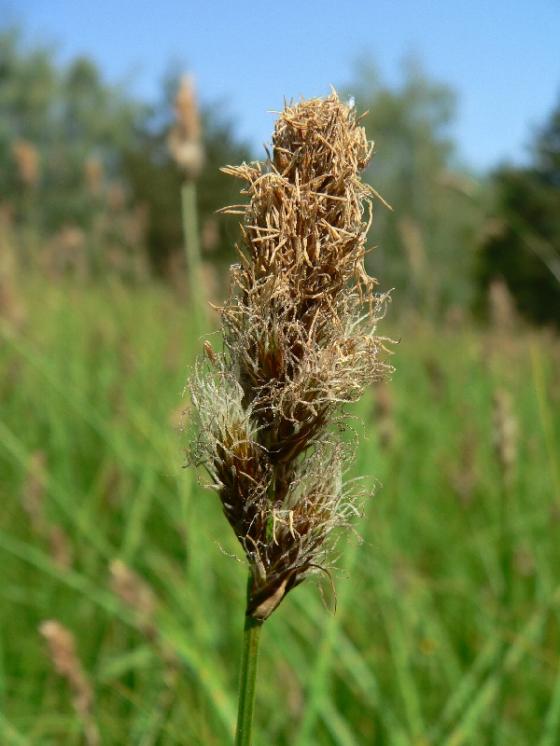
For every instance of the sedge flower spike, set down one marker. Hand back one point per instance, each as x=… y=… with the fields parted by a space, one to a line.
x=299 y=342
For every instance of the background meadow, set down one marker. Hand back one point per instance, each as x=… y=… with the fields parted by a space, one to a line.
x=447 y=623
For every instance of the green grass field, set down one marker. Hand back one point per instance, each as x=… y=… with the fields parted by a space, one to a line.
x=447 y=628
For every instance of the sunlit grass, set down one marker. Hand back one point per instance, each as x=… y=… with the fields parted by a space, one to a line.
x=413 y=653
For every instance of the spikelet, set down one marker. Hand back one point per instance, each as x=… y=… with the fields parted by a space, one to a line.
x=62 y=651
x=66 y=251
x=60 y=546
x=12 y=307
x=502 y=307
x=136 y=595
x=12 y=310
x=26 y=157
x=33 y=503
x=185 y=138
x=299 y=341
x=505 y=434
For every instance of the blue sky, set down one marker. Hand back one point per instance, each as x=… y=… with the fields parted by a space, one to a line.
x=502 y=58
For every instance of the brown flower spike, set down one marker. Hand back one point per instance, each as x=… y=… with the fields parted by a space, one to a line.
x=185 y=138
x=299 y=342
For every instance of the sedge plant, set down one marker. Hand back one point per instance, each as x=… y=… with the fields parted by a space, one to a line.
x=186 y=149
x=299 y=342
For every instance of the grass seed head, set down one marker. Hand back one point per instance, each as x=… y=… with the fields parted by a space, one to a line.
x=299 y=341
x=135 y=594
x=505 y=434
x=185 y=138
x=62 y=651
x=26 y=157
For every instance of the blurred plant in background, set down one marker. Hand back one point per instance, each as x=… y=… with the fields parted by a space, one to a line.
x=155 y=181
x=429 y=240
x=89 y=186
x=186 y=149
x=61 y=136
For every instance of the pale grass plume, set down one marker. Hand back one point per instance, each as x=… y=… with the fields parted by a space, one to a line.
x=185 y=138
x=66 y=252
x=186 y=148
x=503 y=313
x=26 y=157
x=505 y=434
x=60 y=546
x=62 y=651
x=33 y=501
x=135 y=593
x=13 y=313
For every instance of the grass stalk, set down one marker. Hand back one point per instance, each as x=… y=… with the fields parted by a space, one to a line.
x=295 y=347
x=505 y=436
x=189 y=217
x=248 y=677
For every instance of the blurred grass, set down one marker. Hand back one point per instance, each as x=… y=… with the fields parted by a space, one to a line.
x=418 y=652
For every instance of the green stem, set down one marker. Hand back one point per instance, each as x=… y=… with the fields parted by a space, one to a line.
x=505 y=618
x=189 y=215
x=247 y=683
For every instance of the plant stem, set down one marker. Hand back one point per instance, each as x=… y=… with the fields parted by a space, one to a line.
x=247 y=682
x=192 y=250
x=505 y=605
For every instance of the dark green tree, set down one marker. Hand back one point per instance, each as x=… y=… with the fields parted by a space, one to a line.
x=62 y=117
x=523 y=247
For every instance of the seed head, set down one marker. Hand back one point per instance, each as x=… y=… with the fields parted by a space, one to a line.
x=62 y=651
x=136 y=594
x=299 y=341
x=505 y=434
x=26 y=157
x=185 y=139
